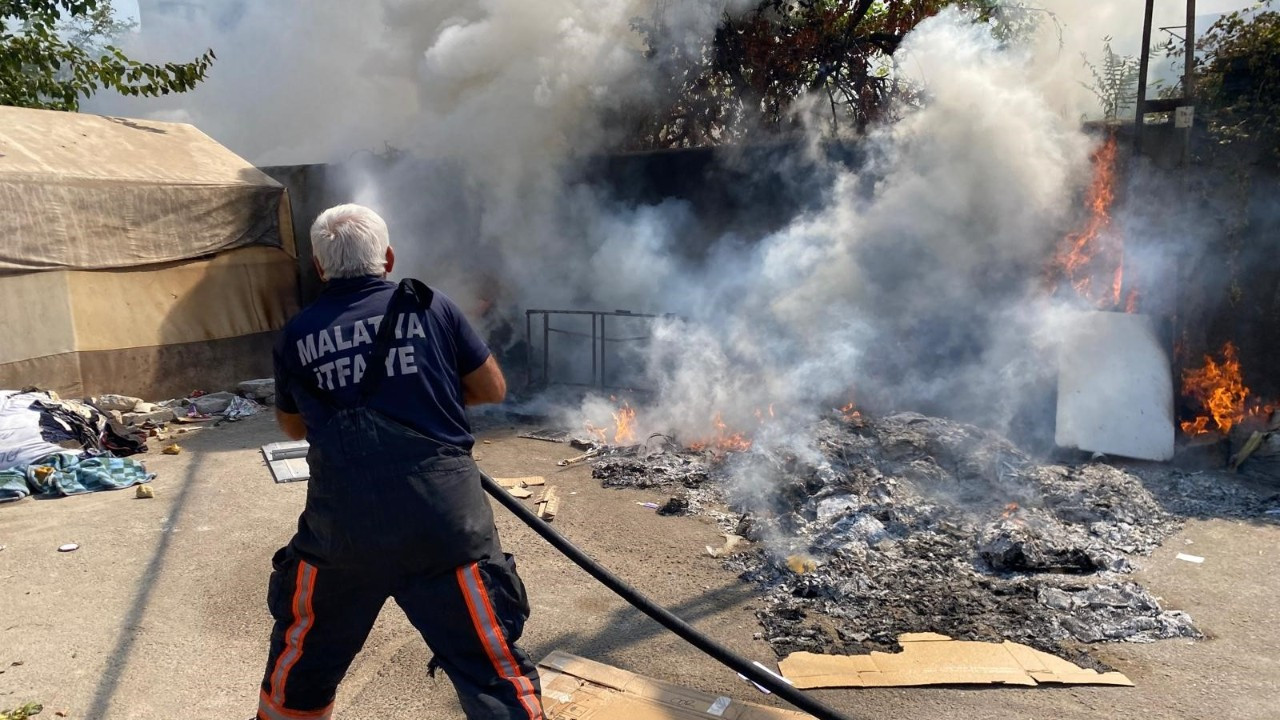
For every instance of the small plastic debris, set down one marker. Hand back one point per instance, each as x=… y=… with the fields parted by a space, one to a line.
x=144 y=492
x=650 y=505
x=69 y=547
x=488 y=442
x=172 y=449
x=1190 y=558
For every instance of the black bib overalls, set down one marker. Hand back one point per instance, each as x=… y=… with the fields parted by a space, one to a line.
x=393 y=513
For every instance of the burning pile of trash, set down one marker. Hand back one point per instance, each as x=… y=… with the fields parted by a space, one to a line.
x=910 y=523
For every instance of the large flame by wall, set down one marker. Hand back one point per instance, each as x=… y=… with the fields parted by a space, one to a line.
x=1092 y=260
x=1219 y=389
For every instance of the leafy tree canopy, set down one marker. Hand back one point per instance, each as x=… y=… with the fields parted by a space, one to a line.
x=1238 y=80
x=760 y=63
x=51 y=56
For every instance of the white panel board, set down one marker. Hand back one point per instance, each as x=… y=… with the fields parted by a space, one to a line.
x=287 y=461
x=1115 y=387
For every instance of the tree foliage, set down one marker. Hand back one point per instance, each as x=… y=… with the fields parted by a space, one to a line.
x=1115 y=82
x=1238 y=80
x=761 y=63
x=51 y=57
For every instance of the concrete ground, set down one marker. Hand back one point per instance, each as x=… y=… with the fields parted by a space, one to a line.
x=161 y=612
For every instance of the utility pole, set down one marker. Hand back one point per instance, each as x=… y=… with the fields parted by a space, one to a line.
x=1183 y=108
x=1144 y=67
x=1189 y=83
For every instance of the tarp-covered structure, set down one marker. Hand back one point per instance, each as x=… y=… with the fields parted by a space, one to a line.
x=136 y=257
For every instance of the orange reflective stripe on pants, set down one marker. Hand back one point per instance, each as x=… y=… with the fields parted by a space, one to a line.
x=304 y=619
x=494 y=640
x=267 y=710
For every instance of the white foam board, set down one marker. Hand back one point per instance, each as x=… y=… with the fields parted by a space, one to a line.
x=1115 y=387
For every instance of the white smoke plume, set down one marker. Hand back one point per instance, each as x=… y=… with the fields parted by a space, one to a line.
x=912 y=281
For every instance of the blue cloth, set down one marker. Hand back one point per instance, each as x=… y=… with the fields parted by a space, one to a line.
x=62 y=474
x=331 y=339
x=13 y=484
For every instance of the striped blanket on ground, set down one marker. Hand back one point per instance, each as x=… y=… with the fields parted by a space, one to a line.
x=62 y=474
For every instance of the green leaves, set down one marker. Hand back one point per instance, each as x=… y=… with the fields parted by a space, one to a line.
x=1238 y=81
x=52 y=56
x=22 y=713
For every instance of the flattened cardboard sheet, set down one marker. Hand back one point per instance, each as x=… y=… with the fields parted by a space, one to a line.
x=932 y=659
x=574 y=688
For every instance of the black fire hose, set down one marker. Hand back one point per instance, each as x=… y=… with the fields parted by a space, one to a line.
x=664 y=617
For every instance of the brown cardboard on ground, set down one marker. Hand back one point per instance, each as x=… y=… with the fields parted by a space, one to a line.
x=932 y=659
x=522 y=482
x=574 y=688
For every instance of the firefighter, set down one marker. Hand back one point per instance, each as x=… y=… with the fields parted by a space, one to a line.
x=376 y=376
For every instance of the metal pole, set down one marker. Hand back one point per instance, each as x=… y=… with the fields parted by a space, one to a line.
x=1144 y=66
x=604 y=349
x=528 y=348
x=594 y=342
x=1189 y=78
x=546 y=349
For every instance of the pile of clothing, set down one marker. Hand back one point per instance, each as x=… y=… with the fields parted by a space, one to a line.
x=53 y=447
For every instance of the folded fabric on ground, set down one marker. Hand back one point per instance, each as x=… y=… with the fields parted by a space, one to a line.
x=65 y=473
x=21 y=439
x=68 y=420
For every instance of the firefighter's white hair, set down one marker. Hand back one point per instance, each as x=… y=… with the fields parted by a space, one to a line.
x=350 y=241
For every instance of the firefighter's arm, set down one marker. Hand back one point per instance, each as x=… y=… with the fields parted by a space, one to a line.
x=291 y=424
x=485 y=384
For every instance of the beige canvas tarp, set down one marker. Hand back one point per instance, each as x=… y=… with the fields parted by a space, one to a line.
x=153 y=331
x=89 y=192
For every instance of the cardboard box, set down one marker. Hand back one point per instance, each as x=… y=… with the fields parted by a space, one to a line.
x=574 y=688
x=932 y=659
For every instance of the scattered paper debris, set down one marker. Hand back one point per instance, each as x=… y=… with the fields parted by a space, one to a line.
x=520 y=492
x=144 y=492
x=523 y=482
x=731 y=542
x=1190 y=558
x=584 y=456
x=69 y=547
x=548 y=504
x=933 y=659
x=573 y=687
x=172 y=449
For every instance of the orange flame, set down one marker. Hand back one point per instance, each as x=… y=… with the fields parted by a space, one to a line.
x=723 y=440
x=1092 y=260
x=624 y=432
x=1009 y=510
x=850 y=413
x=599 y=434
x=1220 y=390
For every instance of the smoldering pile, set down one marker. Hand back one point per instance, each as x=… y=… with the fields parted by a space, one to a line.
x=915 y=524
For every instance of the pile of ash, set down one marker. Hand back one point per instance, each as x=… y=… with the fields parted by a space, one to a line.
x=910 y=523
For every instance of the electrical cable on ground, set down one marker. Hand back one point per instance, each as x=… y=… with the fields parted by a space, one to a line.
x=663 y=616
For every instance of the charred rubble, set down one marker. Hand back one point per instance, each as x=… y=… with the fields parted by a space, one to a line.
x=910 y=523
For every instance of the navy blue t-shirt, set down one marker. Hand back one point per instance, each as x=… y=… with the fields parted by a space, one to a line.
x=331 y=340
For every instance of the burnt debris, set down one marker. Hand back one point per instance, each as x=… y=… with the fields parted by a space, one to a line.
x=910 y=523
